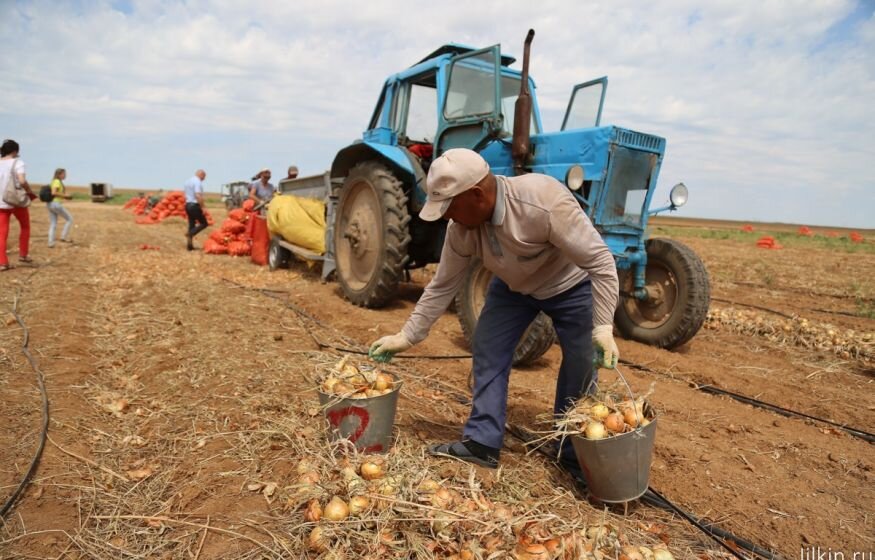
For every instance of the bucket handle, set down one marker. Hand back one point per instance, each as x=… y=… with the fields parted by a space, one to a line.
x=640 y=417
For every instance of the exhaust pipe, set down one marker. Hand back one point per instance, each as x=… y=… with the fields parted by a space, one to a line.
x=522 y=115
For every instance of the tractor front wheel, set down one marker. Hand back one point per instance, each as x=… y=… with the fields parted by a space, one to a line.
x=678 y=296
x=371 y=235
x=537 y=339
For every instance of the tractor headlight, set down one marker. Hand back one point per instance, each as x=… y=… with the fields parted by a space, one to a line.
x=678 y=195
x=574 y=177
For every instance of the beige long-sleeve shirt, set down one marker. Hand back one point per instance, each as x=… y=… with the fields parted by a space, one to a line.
x=539 y=242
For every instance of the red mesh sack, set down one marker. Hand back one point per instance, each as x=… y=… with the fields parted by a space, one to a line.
x=233 y=226
x=238 y=248
x=260 y=241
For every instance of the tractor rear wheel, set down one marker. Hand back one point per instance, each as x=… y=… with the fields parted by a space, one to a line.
x=371 y=234
x=537 y=339
x=679 y=294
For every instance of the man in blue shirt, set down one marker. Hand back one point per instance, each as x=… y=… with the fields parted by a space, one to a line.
x=194 y=206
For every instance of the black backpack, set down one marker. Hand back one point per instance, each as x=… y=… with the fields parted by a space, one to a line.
x=45 y=193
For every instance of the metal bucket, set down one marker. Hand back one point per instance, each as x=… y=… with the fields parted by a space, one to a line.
x=366 y=423
x=617 y=469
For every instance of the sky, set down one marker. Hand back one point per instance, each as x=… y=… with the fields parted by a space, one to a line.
x=768 y=106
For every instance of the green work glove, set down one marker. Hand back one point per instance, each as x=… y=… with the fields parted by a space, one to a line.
x=385 y=348
x=605 y=351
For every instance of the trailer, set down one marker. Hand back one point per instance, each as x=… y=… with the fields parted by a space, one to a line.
x=101 y=192
x=321 y=187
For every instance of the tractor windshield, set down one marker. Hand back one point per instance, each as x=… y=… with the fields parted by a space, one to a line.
x=629 y=178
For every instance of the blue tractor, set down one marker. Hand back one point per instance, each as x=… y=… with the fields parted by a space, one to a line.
x=458 y=96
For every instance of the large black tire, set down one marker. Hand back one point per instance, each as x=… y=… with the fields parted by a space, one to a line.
x=371 y=234
x=680 y=294
x=537 y=339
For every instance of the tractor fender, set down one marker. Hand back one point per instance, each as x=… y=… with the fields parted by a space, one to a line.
x=404 y=164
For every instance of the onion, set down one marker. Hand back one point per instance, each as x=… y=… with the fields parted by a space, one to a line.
x=358 y=380
x=599 y=411
x=316 y=541
x=341 y=388
x=428 y=486
x=595 y=430
x=349 y=369
x=502 y=512
x=328 y=384
x=371 y=471
x=551 y=545
x=313 y=512
x=646 y=552
x=614 y=422
x=383 y=382
x=662 y=554
x=442 y=498
x=533 y=551
x=358 y=504
x=309 y=478
x=336 y=510
x=631 y=417
x=632 y=553
x=303 y=467
x=371 y=393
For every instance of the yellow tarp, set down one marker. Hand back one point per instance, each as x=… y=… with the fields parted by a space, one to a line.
x=298 y=220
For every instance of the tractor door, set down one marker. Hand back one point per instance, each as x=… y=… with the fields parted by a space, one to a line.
x=469 y=115
x=585 y=106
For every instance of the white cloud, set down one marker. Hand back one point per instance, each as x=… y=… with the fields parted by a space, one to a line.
x=765 y=97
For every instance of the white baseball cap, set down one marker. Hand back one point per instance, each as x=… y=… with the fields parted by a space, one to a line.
x=453 y=173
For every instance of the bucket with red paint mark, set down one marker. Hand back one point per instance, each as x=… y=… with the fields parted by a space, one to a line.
x=367 y=423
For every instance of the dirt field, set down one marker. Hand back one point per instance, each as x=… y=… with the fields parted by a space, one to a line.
x=181 y=404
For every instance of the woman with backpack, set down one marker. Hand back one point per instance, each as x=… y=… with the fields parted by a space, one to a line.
x=57 y=192
x=12 y=172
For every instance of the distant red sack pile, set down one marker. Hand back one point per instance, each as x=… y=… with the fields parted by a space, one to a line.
x=767 y=242
x=234 y=237
x=747 y=228
x=856 y=237
x=173 y=204
x=806 y=231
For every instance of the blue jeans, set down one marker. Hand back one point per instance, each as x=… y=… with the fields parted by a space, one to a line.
x=57 y=209
x=504 y=319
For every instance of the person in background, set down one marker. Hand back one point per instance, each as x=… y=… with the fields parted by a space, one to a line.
x=11 y=165
x=293 y=172
x=194 y=207
x=56 y=209
x=261 y=191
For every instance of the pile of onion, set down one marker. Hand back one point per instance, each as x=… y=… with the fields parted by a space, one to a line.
x=608 y=417
x=350 y=382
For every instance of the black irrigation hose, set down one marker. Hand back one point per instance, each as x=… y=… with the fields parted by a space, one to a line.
x=45 y=407
x=729 y=301
x=273 y=295
x=710 y=389
x=785 y=411
x=656 y=499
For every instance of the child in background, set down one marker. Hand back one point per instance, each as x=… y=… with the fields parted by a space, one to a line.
x=57 y=209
